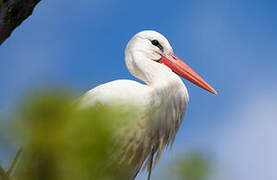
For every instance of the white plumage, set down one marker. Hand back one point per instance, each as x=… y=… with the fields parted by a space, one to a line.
x=160 y=103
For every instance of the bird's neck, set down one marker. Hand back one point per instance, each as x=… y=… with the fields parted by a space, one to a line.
x=152 y=73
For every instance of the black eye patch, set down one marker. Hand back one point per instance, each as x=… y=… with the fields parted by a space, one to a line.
x=156 y=43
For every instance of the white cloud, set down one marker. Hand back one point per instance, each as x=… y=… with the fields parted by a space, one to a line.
x=248 y=143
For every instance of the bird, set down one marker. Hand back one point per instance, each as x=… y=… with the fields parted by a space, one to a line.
x=160 y=99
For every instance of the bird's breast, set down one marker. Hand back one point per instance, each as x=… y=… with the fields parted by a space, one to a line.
x=156 y=114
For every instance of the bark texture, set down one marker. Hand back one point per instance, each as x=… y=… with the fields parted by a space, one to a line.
x=12 y=14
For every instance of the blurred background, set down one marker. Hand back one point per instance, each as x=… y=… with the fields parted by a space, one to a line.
x=232 y=43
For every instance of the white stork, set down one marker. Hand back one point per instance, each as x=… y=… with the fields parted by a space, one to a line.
x=160 y=102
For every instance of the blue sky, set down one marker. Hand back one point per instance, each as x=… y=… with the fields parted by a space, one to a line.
x=232 y=43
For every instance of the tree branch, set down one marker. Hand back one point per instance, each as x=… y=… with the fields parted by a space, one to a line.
x=12 y=14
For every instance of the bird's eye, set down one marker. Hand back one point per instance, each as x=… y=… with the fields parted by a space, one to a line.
x=156 y=43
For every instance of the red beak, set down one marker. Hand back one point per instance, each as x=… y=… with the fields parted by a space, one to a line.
x=182 y=69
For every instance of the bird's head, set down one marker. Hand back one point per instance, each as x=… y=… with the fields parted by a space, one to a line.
x=154 y=46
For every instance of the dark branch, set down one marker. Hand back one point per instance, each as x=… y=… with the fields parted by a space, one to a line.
x=12 y=14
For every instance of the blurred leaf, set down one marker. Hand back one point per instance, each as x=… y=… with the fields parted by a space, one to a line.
x=193 y=166
x=66 y=143
x=3 y=175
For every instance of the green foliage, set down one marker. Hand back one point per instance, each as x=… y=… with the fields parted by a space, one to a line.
x=62 y=142
x=3 y=174
x=193 y=166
